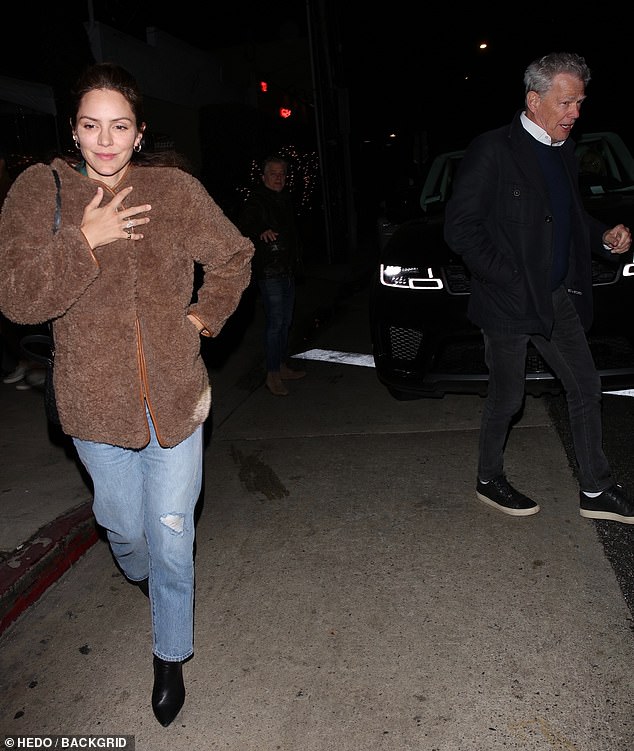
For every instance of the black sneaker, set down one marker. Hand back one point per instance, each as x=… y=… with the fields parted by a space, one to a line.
x=613 y=503
x=500 y=494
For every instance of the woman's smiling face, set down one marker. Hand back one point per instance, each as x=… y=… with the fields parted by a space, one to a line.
x=107 y=134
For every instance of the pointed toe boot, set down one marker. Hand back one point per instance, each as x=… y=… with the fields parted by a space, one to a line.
x=168 y=694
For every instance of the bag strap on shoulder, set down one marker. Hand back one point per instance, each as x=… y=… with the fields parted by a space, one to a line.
x=58 y=202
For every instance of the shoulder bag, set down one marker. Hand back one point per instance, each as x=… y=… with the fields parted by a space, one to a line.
x=41 y=347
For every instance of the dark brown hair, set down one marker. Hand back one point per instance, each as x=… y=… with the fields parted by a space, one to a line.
x=113 y=77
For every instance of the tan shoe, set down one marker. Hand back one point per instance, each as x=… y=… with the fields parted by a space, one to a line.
x=274 y=384
x=288 y=374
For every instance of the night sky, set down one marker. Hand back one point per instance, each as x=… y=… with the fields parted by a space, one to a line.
x=435 y=75
x=401 y=68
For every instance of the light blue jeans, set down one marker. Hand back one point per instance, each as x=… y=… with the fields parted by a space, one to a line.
x=145 y=500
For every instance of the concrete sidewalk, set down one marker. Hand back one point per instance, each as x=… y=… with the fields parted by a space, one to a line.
x=351 y=593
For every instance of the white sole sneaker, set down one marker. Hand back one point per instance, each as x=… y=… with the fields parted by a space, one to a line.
x=17 y=375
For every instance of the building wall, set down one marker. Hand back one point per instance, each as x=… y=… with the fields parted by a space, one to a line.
x=177 y=81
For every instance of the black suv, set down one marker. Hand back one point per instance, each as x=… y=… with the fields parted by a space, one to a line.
x=423 y=343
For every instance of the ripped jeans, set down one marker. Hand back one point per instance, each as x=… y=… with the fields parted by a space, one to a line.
x=145 y=500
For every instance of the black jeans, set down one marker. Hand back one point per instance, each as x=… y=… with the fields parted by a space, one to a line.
x=568 y=354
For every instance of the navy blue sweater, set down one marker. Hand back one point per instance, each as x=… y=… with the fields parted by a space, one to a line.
x=551 y=162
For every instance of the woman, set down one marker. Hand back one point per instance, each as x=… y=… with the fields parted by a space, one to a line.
x=117 y=279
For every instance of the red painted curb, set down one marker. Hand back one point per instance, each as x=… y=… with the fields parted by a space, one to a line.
x=40 y=561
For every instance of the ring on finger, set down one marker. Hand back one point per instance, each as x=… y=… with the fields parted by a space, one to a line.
x=128 y=224
x=129 y=231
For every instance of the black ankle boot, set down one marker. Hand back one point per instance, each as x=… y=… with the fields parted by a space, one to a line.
x=168 y=694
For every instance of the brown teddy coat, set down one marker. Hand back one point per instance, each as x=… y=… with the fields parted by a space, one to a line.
x=122 y=335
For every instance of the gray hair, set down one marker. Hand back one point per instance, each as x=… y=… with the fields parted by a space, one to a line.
x=274 y=159
x=540 y=73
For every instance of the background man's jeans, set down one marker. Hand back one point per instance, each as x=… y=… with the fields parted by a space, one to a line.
x=145 y=500
x=568 y=354
x=278 y=298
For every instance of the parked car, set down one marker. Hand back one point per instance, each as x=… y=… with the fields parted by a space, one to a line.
x=423 y=343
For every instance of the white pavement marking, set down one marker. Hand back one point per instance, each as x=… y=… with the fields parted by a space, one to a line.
x=329 y=355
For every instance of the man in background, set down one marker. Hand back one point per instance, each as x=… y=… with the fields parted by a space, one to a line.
x=268 y=219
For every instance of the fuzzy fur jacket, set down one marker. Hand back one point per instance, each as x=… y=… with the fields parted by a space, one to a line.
x=122 y=335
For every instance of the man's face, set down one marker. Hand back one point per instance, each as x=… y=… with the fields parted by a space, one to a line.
x=274 y=176
x=557 y=110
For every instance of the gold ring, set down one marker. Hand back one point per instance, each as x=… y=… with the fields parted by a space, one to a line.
x=129 y=231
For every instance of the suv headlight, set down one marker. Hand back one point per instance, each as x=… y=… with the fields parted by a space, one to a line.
x=409 y=277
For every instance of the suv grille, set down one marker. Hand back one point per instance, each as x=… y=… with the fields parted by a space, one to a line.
x=458 y=281
x=604 y=272
x=404 y=343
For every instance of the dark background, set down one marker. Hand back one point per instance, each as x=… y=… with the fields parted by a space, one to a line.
x=412 y=79
x=413 y=66
x=401 y=68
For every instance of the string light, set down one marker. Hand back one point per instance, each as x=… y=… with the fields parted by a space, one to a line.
x=302 y=178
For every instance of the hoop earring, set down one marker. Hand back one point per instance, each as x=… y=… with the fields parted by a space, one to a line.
x=137 y=148
x=76 y=142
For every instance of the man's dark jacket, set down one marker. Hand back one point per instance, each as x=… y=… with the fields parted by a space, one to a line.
x=269 y=209
x=500 y=221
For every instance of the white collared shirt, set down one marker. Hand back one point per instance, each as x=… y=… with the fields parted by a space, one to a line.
x=539 y=134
